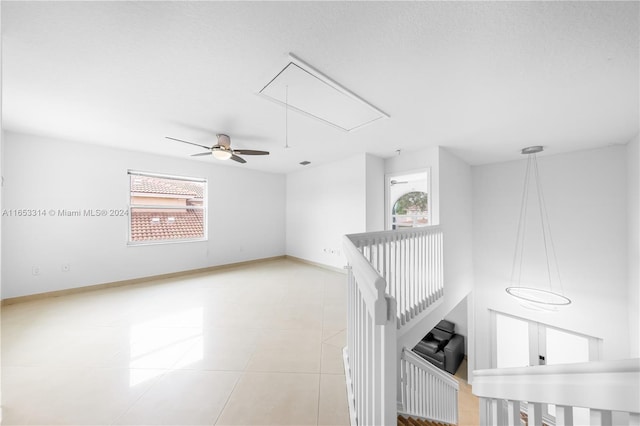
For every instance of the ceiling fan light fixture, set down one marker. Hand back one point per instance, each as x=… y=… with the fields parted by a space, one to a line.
x=221 y=154
x=222 y=150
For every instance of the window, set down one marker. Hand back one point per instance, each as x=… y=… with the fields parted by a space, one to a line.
x=166 y=208
x=407 y=196
x=410 y=210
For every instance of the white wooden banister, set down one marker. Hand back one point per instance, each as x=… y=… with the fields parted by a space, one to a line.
x=394 y=280
x=392 y=277
x=372 y=286
x=427 y=392
x=603 y=387
x=411 y=263
x=370 y=354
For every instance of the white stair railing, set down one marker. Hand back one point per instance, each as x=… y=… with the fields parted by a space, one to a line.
x=393 y=276
x=370 y=354
x=604 y=387
x=411 y=263
x=427 y=392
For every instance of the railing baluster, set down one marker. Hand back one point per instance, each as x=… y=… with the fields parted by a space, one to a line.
x=422 y=273
x=431 y=272
x=426 y=391
x=412 y=273
x=433 y=392
x=534 y=414
x=359 y=357
x=440 y=266
x=384 y=264
x=407 y=277
x=564 y=415
x=600 y=417
x=420 y=270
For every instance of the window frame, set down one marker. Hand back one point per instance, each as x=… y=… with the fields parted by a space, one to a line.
x=205 y=223
x=388 y=203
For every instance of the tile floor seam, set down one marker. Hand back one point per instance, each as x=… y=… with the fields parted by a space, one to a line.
x=333 y=335
x=324 y=288
x=319 y=394
x=215 y=422
x=126 y=410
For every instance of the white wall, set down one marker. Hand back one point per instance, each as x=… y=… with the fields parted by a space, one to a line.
x=452 y=184
x=456 y=206
x=246 y=216
x=633 y=188
x=586 y=196
x=375 y=193
x=456 y=219
x=458 y=315
x=1 y=207
x=323 y=204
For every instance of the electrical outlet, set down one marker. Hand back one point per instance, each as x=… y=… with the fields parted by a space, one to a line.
x=35 y=270
x=66 y=267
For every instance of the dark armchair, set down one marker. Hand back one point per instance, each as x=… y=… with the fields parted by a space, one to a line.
x=442 y=347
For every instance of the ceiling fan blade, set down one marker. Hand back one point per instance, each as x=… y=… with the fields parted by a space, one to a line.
x=250 y=152
x=201 y=154
x=190 y=143
x=238 y=159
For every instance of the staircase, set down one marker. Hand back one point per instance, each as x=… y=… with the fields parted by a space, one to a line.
x=410 y=421
x=394 y=288
x=395 y=281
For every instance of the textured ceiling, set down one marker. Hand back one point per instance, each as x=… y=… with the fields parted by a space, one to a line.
x=481 y=78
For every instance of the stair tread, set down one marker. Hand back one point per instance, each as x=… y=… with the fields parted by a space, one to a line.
x=412 y=421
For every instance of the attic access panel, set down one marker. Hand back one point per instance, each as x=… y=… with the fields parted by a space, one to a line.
x=306 y=90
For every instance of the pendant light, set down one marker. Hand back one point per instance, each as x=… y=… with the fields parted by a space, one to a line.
x=537 y=298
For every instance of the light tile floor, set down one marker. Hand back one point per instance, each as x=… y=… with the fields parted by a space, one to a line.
x=257 y=344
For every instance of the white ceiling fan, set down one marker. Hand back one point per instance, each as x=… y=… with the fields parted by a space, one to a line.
x=222 y=150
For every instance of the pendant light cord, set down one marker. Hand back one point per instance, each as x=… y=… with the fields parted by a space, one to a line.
x=544 y=216
x=286 y=117
x=542 y=209
x=521 y=226
x=518 y=254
